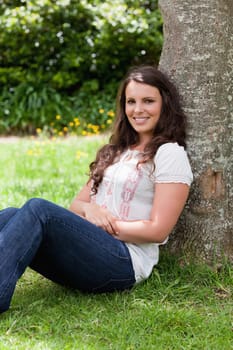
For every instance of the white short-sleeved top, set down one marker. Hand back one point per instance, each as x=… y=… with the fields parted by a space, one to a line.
x=127 y=191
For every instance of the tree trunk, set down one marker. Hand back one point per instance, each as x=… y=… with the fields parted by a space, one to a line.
x=198 y=55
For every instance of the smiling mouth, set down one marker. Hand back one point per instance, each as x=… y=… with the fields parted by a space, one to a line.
x=140 y=120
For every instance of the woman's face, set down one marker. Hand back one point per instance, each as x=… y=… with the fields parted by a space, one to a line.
x=143 y=104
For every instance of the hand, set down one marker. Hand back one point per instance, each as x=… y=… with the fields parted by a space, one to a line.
x=101 y=217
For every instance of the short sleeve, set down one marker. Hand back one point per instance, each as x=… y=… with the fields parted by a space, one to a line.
x=172 y=165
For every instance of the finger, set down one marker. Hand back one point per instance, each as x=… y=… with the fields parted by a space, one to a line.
x=113 y=231
x=112 y=222
x=108 y=228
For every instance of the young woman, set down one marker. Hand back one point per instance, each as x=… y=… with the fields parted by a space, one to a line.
x=109 y=238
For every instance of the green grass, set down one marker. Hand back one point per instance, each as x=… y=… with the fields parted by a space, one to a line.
x=181 y=306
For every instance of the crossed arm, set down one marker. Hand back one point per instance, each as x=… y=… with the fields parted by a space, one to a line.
x=169 y=201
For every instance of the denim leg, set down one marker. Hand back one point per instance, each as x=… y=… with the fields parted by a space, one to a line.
x=20 y=237
x=76 y=253
x=6 y=215
x=61 y=246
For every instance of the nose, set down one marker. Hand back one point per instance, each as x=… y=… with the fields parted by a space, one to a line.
x=138 y=108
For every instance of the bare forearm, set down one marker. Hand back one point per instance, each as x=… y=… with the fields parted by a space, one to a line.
x=168 y=205
x=138 y=231
x=142 y=231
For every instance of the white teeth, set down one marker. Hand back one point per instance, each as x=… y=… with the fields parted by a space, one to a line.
x=140 y=118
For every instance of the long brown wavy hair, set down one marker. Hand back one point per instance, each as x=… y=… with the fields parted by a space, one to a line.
x=171 y=126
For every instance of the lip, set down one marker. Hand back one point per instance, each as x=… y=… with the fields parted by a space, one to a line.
x=140 y=120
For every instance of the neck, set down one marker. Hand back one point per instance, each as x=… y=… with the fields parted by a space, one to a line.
x=140 y=146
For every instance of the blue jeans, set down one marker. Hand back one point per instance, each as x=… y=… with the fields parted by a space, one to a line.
x=61 y=246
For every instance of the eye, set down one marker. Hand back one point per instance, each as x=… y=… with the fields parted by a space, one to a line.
x=130 y=101
x=149 y=100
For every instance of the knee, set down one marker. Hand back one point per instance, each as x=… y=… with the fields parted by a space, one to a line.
x=36 y=205
x=34 y=202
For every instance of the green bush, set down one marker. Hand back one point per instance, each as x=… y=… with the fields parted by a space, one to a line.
x=129 y=32
x=27 y=107
x=67 y=56
x=46 y=42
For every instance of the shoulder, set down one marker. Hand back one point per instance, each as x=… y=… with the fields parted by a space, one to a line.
x=170 y=148
x=170 y=152
x=172 y=164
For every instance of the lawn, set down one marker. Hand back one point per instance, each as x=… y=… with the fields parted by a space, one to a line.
x=182 y=306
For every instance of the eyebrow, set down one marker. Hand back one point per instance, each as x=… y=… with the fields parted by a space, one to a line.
x=142 y=97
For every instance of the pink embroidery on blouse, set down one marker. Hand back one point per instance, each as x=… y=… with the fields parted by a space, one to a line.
x=128 y=191
x=107 y=193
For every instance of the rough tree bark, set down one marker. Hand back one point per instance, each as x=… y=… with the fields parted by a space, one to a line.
x=198 y=55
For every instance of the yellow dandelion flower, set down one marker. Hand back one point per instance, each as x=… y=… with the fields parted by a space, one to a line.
x=58 y=117
x=109 y=121
x=38 y=131
x=71 y=124
x=111 y=113
x=84 y=133
x=101 y=111
x=95 y=129
x=65 y=129
x=60 y=133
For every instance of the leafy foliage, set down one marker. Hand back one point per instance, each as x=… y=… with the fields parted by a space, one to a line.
x=52 y=51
